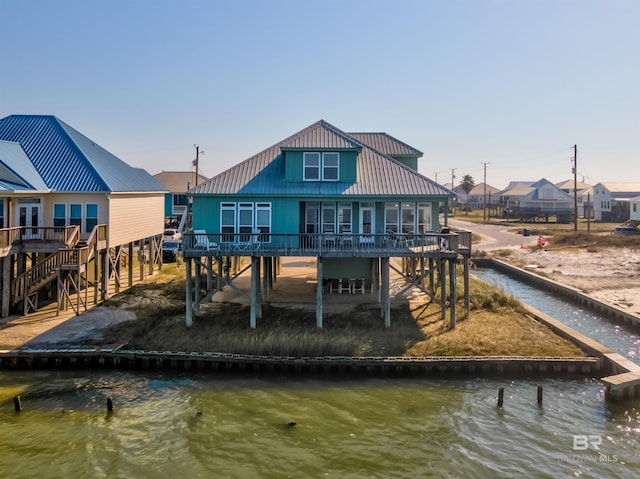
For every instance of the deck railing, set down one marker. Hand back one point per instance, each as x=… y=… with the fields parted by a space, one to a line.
x=67 y=235
x=198 y=243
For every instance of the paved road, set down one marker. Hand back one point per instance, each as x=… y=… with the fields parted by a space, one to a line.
x=495 y=236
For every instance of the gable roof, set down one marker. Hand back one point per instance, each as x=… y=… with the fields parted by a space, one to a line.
x=67 y=161
x=621 y=187
x=569 y=184
x=386 y=144
x=378 y=174
x=179 y=181
x=16 y=171
x=558 y=194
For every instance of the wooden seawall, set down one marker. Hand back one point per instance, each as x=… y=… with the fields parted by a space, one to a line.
x=361 y=366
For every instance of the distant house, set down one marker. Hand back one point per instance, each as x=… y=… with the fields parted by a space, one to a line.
x=635 y=208
x=584 y=195
x=482 y=193
x=611 y=201
x=178 y=183
x=509 y=198
x=545 y=200
x=58 y=191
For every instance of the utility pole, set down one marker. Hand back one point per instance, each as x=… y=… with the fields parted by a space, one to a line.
x=453 y=210
x=575 y=187
x=484 y=199
x=195 y=162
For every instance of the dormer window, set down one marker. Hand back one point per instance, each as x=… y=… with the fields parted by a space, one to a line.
x=321 y=166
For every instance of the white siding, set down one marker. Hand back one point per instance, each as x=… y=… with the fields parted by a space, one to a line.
x=133 y=217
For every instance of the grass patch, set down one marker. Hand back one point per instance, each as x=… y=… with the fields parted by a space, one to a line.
x=497 y=325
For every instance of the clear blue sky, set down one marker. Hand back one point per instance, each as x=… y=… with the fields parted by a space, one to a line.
x=511 y=83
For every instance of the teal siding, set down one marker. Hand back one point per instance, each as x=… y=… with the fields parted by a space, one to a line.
x=337 y=268
x=293 y=165
x=348 y=166
x=410 y=161
x=168 y=204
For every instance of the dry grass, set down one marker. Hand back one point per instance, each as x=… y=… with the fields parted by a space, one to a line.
x=497 y=326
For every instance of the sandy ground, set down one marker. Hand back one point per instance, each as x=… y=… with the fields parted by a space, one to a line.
x=611 y=275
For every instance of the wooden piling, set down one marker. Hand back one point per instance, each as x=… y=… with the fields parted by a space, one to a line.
x=109 y=404
x=17 y=403
x=500 y=397
x=539 y=394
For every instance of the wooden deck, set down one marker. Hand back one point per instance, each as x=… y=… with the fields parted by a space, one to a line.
x=434 y=245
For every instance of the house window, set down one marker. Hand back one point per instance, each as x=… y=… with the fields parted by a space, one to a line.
x=344 y=218
x=263 y=221
x=408 y=217
x=328 y=217
x=75 y=215
x=91 y=218
x=239 y=221
x=311 y=166
x=391 y=211
x=330 y=166
x=311 y=217
x=245 y=221
x=1 y=213
x=424 y=218
x=179 y=200
x=325 y=166
x=228 y=221
x=59 y=215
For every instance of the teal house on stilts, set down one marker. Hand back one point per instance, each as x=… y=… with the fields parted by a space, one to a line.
x=353 y=201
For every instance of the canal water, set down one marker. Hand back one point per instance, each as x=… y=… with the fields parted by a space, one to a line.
x=233 y=426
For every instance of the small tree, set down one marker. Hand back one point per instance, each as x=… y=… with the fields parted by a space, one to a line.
x=467 y=184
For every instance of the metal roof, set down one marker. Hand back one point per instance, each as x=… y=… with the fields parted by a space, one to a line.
x=386 y=144
x=321 y=135
x=377 y=174
x=16 y=169
x=67 y=161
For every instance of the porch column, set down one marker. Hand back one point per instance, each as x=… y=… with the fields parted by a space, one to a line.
x=105 y=273
x=467 y=299
x=266 y=276
x=258 y=288
x=197 y=264
x=188 y=294
x=384 y=292
x=319 y=294
x=130 y=264
x=375 y=278
x=452 y=293
x=255 y=286
x=6 y=281
x=209 y=273
x=442 y=272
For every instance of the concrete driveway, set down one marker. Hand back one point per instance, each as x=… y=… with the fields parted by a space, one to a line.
x=495 y=236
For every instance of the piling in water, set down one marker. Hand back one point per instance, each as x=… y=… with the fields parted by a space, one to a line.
x=17 y=403
x=500 y=397
x=539 y=394
x=109 y=404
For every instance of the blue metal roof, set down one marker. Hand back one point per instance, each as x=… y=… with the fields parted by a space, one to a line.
x=67 y=161
x=378 y=174
x=16 y=169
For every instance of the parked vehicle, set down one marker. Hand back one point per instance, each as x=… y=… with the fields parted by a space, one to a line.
x=172 y=234
x=171 y=250
x=626 y=230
